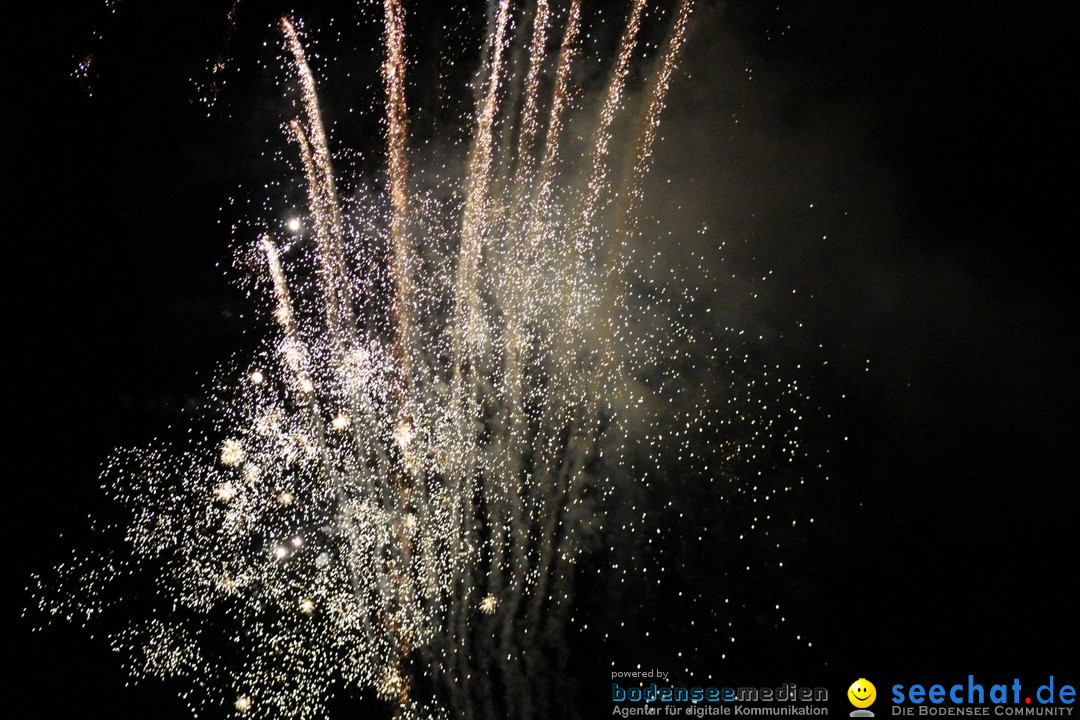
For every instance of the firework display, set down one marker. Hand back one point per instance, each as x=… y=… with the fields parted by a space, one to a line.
x=398 y=485
x=540 y=359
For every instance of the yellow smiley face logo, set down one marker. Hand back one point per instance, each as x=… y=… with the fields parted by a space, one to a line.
x=862 y=693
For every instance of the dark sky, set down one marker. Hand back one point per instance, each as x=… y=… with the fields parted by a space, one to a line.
x=932 y=140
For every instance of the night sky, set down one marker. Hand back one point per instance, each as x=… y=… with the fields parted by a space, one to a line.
x=904 y=166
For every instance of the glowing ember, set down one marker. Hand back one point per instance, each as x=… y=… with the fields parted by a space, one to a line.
x=232 y=453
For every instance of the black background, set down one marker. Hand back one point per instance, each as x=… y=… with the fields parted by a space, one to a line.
x=946 y=540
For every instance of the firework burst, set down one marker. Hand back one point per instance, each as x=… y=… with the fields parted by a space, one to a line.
x=400 y=483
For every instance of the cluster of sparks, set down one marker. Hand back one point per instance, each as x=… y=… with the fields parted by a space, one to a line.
x=400 y=483
x=210 y=88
